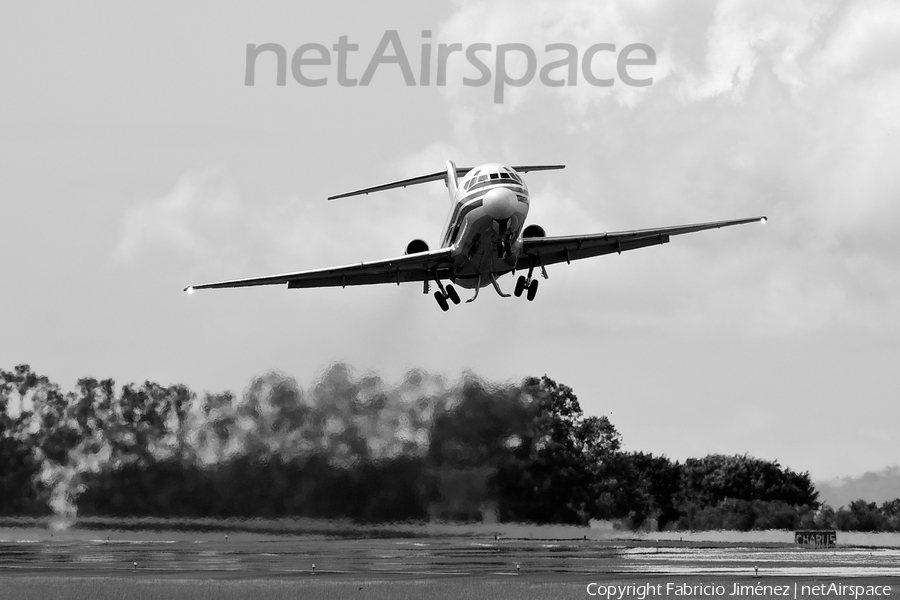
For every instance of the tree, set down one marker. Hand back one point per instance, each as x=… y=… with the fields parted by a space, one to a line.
x=659 y=481
x=864 y=516
x=551 y=475
x=19 y=466
x=717 y=477
x=890 y=510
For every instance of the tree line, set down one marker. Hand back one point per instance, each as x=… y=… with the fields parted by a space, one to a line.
x=355 y=447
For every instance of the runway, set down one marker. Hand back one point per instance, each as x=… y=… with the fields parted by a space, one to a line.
x=243 y=555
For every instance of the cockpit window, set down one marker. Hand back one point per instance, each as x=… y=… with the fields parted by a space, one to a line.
x=495 y=175
x=482 y=178
x=505 y=175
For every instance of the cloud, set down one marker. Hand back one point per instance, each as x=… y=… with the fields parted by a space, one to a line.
x=863 y=43
x=207 y=220
x=785 y=108
x=538 y=24
x=184 y=221
x=779 y=108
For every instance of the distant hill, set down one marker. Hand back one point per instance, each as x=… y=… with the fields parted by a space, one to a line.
x=878 y=486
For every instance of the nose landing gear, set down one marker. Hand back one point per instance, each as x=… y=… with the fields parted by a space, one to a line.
x=503 y=239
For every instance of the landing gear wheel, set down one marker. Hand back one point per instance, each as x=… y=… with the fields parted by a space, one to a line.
x=532 y=290
x=521 y=282
x=451 y=293
x=442 y=302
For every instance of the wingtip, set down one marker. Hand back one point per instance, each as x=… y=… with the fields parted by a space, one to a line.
x=189 y=290
x=763 y=219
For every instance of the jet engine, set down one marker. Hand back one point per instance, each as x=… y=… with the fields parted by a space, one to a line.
x=534 y=231
x=416 y=246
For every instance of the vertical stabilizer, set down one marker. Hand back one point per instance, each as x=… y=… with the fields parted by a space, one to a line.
x=451 y=179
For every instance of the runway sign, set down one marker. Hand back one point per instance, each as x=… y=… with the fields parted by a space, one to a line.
x=816 y=538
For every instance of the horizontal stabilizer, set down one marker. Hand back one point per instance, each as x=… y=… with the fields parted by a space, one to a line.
x=527 y=168
x=436 y=176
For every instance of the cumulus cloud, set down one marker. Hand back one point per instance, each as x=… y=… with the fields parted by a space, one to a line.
x=207 y=219
x=785 y=108
x=182 y=219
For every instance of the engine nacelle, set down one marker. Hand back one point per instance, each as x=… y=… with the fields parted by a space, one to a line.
x=416 y=246
x=534 y=231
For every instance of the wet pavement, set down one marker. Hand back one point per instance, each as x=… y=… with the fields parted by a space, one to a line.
x=248 y=556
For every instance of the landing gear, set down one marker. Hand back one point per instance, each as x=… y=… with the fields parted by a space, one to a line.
x=525 y=282
x=451 y=293
x=504 y=238
x=442 y=301
x=443 y=294
x=521 y=284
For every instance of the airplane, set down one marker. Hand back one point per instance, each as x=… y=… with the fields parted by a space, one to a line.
x=485 y=237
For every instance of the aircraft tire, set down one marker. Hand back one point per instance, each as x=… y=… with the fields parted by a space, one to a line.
x=451 y=293
x=442 y=302
x=532 y=290
x=520 y=286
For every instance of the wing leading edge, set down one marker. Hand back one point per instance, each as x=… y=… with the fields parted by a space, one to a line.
x=549 y=250
x=411 y=267
x=426 y=265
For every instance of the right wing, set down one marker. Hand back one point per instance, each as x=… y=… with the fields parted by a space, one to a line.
x=549 y=250
x=411 y=267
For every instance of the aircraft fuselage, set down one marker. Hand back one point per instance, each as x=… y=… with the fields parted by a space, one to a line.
x=484 y=227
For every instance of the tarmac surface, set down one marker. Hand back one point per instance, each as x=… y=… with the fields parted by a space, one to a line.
x=249 y=556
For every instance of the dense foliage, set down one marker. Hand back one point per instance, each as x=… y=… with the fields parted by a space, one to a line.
x=355 y=447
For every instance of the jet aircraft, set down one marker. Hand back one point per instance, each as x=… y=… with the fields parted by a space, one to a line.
x=485 y=237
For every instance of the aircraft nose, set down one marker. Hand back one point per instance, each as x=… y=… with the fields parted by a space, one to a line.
x=500 y=203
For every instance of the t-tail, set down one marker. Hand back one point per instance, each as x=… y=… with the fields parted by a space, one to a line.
x=449 y=176
x=450 y=179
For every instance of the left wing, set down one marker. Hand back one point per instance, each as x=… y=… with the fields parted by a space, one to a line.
x=412 y=267
x=549 y=250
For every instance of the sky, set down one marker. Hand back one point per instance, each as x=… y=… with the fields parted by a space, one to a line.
x=135 y=161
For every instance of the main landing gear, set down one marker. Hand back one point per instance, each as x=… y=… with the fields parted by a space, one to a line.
x=523 y=284
x=443 y=294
